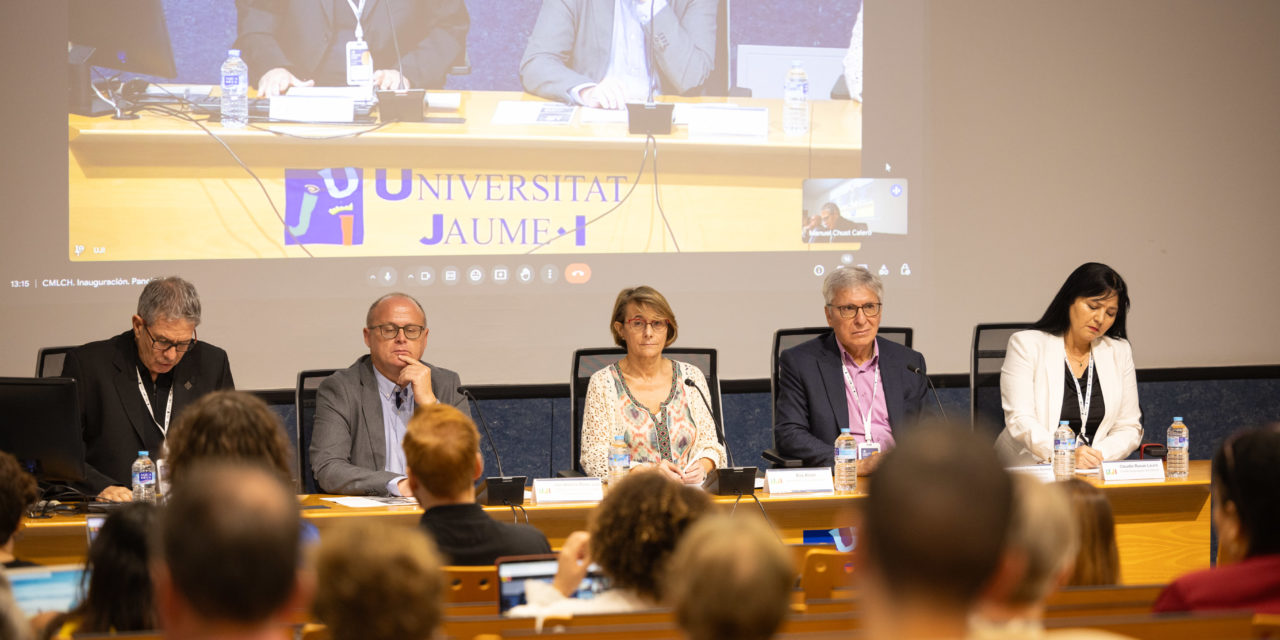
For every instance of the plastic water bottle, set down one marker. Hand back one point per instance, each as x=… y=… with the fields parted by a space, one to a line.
x=1176 y=462
x=795 y=101
x=144 y=478
x=846 y=455
x=235 y=91
x=619 y=459
x=1064 y=452
x=162 y=474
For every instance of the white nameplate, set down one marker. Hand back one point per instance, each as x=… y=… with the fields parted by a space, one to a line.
x=1041 y=472
x=714 y=121
x=810 y=480
x=312 y=109
x=1123 y=471
x=558 y=490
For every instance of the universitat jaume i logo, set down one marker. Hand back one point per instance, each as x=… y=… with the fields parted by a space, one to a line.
x=324 y=206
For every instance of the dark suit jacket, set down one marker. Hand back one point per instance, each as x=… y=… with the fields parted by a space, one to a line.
x=467 y=536
x=348 y=441
x=811 y=408
x=295 y=34
x=116 y=422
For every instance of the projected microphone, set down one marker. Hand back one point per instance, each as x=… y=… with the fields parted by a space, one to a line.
x=719 y=429
x=914 y=369
x=485 y=425
x=395 y=42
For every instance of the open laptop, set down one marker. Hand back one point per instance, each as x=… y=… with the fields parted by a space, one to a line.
x=51 y=588
x=513 y=571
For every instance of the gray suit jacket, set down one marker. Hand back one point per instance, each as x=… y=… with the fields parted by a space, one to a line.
x=348 y=442
x=572 y=39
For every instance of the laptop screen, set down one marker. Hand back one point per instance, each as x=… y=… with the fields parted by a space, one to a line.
x=51 y=588
x=514 y=571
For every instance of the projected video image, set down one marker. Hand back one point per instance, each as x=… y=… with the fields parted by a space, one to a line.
x=855 y=210
x=523 y=144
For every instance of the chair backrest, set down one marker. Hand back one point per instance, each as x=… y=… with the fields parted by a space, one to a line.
x=718 y=83
x=49 y=361
x=588 y=361
x=472 y=585
x=825 y=571
x=986 y=358
x=784 y=339
x=304 y=401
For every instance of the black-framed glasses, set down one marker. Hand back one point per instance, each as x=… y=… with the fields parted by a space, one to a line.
x=388 y=331
x=637 y=325
x=847 y=311
x=164 y=344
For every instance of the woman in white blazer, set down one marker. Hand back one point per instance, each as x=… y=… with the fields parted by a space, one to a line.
x=1075 y=361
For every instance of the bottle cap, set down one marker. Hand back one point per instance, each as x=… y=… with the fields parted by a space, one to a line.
x=1064 y=423
x=233 y=53
x=142 y=453
x=619 y=437
x=844 y=429
x=1177 y=418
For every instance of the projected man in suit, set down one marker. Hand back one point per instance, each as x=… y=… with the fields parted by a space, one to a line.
x=830 y=226
x=596 y=52
x=847 y=378
x=289 y=43
x=133 y=386
x=362 y=411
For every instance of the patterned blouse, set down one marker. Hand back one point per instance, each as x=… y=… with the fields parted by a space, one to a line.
x=681 y=430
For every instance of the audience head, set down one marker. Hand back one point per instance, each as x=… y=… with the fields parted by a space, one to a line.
x=830 y=213
x=442 y=452
x=395 y=327
x=117 y=574
x=926 y=542
x=228 y=547
x=18 y=491
x=642 y=301
x=1098 y=561
x=378 y=582
x=1246 y=483
x=1042 y=543
x=637 y=526
x=1090 y=283
x=730 y=578
x=229 y=426
x=164 y=326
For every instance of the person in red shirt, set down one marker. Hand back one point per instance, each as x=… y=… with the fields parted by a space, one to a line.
x=1246 y=508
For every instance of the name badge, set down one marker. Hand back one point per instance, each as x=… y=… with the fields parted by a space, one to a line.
x=359 y=63
x=867 y=449
x=816 y=480
x=1125 y=471
x=1041 y=472
x=561 y=490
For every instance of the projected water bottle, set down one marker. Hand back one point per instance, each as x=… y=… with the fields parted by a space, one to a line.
x=795 y=101
x=235 y=91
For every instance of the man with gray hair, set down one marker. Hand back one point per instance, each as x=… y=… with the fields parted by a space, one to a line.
x=847 y=379
x=361 y=411
x=133 y=386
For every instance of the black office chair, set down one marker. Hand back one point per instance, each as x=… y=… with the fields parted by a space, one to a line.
x=49 y=361
x=588 y=361
x=990 y=341
x=304 y=401
x=784 y=339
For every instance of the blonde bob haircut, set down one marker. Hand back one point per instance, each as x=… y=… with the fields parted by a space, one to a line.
x=645 y=297
x=440 y=448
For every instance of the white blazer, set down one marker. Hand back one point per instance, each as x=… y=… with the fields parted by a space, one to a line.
x=1031 y=392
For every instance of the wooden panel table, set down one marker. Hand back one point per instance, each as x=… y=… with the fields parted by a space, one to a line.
x=1162 y=528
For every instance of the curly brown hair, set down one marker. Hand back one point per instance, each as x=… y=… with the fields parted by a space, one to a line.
x=230 y=425
x=18 y=490
x=637 y=526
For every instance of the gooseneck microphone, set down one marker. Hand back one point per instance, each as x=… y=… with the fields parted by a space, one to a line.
x=914 y=369
x=395 y=42
x=719 y=428
x=484 y=425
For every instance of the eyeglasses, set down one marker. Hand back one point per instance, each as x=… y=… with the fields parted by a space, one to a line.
x=162 y=344
x=637 y=325
x=388 y=331
x=847 y=311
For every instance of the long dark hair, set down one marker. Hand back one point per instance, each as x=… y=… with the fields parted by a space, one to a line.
x=1089 y=280
x=117 y=586
x=1247 y=470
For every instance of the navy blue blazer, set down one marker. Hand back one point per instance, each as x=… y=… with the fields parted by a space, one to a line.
x=811 y=408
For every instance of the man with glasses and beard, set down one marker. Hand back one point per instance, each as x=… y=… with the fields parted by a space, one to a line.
x=848 y=378
x=361 y=411
x=133 y=386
